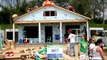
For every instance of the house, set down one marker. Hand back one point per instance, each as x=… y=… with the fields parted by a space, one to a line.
x=49 y=22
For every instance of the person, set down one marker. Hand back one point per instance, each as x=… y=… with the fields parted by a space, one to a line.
x=95 y=36
x=72 y=38
x=83 y=47
x=98 y=53
x=48 y=3
x=25 y=40
x=41 y=54
x=91 y=45
x=66 y=36
x=83 y=44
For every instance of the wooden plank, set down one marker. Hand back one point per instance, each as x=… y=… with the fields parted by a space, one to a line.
x=16 y=56
x=48 y=21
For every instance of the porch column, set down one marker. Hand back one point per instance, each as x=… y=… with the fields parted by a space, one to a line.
x=88 y=34
x=13 y=32
x=60 y=31
x=39 y=32
x=77 y=34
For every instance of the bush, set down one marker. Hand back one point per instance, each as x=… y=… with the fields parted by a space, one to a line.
x=98 y=20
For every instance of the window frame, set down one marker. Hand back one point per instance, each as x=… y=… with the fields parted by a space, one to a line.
x=50 y=13
x=27 y=34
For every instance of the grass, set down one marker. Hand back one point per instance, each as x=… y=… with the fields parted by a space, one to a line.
x=98 y=25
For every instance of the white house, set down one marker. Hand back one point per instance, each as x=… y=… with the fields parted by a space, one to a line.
x=49 y=21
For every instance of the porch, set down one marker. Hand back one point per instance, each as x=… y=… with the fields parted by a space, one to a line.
x=40 y=32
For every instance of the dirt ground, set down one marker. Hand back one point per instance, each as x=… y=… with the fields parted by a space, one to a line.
x=34 y=48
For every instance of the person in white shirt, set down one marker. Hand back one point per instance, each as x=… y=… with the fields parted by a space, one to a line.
x=91 y=45
x=72 y=38
x=98 y=53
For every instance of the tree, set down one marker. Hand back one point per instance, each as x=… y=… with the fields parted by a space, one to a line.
x=90 y=8
x=12 y=7
x=5 y=15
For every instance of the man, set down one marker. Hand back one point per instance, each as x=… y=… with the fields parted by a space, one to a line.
x=72 y=38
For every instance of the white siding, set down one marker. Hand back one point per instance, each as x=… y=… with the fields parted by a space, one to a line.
x=55 y=31
x=61 y=15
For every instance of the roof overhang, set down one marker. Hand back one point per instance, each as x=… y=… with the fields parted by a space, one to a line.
x=49 y=21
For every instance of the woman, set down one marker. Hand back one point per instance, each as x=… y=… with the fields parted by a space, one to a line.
x=98 y=53
x=83 y=46
x=91 y=45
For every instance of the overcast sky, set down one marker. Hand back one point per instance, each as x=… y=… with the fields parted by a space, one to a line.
x=3 y=2
x=105 y=13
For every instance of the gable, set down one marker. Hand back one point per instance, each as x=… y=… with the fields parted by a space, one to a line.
x=61 y=14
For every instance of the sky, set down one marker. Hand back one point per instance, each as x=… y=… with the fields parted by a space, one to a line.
x=3 y=2
x=106 y=14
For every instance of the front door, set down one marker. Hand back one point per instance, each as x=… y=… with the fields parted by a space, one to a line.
x=48 y=34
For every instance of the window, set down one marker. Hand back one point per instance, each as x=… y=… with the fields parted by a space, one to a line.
x=9 y=35
x=31 y=31
x=49 y=13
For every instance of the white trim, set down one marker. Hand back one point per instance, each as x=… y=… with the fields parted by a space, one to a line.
x=10 y=30
x=60 y=31
x=13 y=32
x=87 y=30
x=96 y=28
x=39 y=32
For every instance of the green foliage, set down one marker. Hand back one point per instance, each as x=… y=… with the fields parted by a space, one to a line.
x=5 y=15
x=7 y=12
x=98 y=20
x=83 y=7
x=7 y=26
